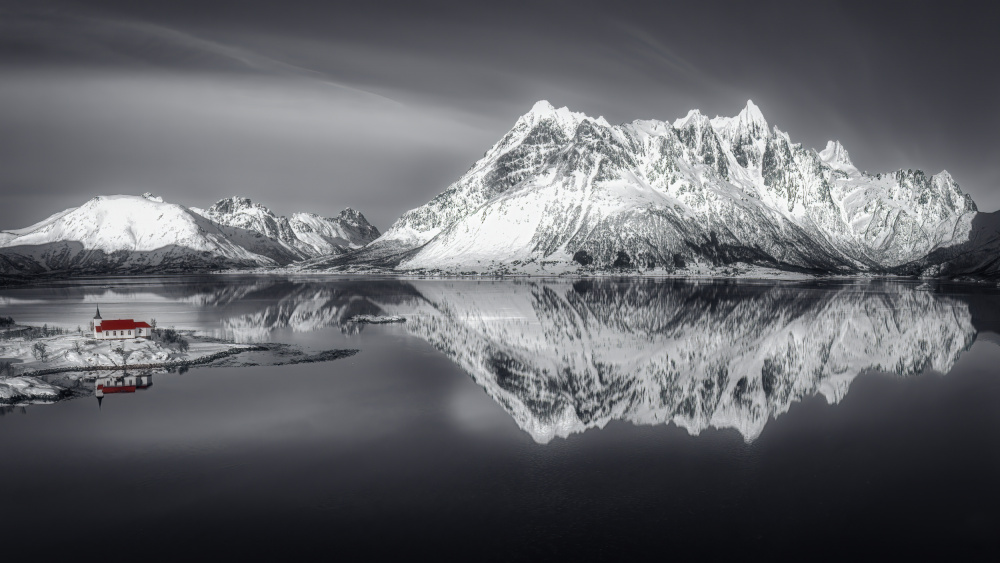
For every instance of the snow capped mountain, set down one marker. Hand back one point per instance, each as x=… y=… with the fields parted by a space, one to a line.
x=325 y=235
x=836 y=156
x=562 y=191
x=305 y=235
x=121 y=233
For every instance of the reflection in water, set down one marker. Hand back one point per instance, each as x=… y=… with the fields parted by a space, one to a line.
x=561 y=357
x=123 y=383
x=305 y=307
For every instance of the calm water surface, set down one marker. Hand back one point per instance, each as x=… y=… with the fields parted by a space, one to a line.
x=562 y=419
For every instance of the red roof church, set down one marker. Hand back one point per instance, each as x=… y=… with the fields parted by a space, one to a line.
x=120 y=328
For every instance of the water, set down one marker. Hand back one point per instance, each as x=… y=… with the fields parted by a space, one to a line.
x=545 y=419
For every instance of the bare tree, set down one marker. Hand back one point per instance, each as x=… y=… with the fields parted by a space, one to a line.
x=123 y=354
x=40 y=351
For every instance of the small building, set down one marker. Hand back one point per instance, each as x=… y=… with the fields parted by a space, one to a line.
x=121 y=384
x=120 y=329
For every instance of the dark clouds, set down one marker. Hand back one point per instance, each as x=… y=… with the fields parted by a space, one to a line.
x=379 y=105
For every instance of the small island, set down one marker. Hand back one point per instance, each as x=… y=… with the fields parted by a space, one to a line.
x=29 y=353
x=377 y=319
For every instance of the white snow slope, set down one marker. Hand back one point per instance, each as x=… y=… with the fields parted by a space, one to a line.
x=123 y=233
x=660 y=195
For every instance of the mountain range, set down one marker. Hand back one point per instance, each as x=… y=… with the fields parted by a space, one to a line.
x=135 y=234
x=563 y=192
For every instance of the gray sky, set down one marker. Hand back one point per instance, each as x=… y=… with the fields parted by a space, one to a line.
x=314 y=106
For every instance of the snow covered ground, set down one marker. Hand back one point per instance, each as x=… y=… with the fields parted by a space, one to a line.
x=80 y=350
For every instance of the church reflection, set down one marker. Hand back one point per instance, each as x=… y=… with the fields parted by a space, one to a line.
x=121 y=383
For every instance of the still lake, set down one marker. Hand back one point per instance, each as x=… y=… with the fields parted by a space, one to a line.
x=524 y=419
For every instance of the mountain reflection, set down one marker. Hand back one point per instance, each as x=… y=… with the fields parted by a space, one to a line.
x=564 y=356
x=302 y=306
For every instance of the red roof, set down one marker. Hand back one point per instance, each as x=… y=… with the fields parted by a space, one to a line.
x=121 y=324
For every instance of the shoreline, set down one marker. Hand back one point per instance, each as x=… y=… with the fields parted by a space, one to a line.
x=162 y=365
x=777 y=276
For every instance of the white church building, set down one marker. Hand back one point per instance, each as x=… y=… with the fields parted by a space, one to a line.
x=120 y=329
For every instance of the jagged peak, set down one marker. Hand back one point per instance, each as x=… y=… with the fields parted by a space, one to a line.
x=542 y=107
x=693 y=117
x=749 y=123
x=153 y=198
x=236 y=204
x=781 y=134
x=566 y=119
x=751 y=119
x=751 y=112
x=837 y=157
x=945 y=176
x=352 y=215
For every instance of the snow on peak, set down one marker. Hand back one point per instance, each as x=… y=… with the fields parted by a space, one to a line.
x=542 y=107
x=236 y=204
x=542 y=110
x=836 y=156
x=748 y=125
x=693 y=117
x=945 y=176
x=351 y=216
x=751 y=111
x=151 y=197
x=751 y=120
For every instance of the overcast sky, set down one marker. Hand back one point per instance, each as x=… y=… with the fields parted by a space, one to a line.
x=319 y=105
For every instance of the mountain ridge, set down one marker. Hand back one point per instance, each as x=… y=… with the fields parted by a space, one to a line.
x=565 y=193
x=139 y=234
x=562 y=192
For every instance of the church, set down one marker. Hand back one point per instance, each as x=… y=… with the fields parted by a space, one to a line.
x=120 y=329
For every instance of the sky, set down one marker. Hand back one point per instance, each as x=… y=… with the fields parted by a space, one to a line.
x=378 y=105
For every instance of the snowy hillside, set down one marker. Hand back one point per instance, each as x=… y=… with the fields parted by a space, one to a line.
x=304 y=235
x=656 y=195
x=122 y=233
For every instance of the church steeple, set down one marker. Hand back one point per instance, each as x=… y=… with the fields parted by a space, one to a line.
x=98 y=314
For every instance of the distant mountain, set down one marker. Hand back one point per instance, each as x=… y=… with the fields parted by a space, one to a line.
x=121 y=234
x=307 y=234
x=562 y=191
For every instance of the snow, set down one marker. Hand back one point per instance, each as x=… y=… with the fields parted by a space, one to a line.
x=17 y=389
x=80 y=350
x=836 y=156
x=143 y=232
x=657 y=190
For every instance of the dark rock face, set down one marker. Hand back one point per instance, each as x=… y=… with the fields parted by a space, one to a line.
x=583 y=258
